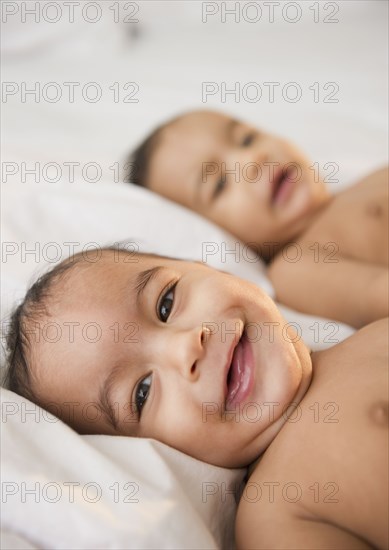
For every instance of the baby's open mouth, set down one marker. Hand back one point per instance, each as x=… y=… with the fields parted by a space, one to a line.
x=240 y=375
x=282 y=181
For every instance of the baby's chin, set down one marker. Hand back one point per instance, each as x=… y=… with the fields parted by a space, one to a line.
x=244 y=457
x=303 y=207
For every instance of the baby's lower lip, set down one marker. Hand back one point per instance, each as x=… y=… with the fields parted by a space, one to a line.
x=242 y=377
x=284 y=189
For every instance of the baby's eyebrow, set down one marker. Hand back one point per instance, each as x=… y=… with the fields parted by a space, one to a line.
x=231 y=125
x=143 y=278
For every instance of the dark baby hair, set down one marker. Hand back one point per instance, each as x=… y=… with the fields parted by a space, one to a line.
x=138 y=162
x=18 y=344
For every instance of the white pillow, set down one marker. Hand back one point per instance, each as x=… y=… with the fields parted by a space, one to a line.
x=107 y=491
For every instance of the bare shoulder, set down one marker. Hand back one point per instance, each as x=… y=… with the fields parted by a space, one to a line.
x=365 y=349
x=369 y=188
x=378 y=328
x=378 y=177
x=289 y=533
x=372 y=340
x=266 y=523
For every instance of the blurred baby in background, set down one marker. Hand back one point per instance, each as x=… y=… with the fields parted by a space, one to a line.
x=327 y=254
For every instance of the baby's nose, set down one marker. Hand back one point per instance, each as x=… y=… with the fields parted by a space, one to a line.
x=188 y=349
x=246 y=165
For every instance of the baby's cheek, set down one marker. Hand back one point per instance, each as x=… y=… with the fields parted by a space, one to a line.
x=281 y=389
x=176 y=423
x=240 y=218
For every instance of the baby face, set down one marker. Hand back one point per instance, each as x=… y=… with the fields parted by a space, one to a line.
x=258 y=187
x=177 y=351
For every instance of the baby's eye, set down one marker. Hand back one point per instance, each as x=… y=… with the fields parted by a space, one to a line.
x=219 y=187
x=142 y=392
x=166 y=303
x=248 y=139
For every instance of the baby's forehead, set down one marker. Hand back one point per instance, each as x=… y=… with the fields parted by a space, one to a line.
x=95 y=274
x=188 y=141
x=108 y=267
x=201 y=120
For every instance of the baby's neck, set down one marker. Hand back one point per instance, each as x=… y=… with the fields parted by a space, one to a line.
x=295 y=401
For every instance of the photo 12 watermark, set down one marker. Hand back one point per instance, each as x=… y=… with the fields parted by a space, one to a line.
x=51 y=412
x=69 y=92
x=270 y=92
x=69 y=12
x=268 y=412
x=53 y=252
x=274 y=172
x=292 y=252
x=70 y=492
x=272 y=492
x=69 y=171
x=270 y=12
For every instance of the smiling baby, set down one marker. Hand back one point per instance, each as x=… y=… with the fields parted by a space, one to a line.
x=201 y=361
